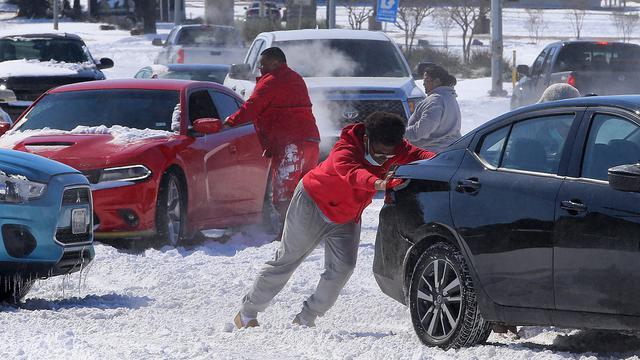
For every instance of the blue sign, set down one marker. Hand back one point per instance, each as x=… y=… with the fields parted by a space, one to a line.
x=387 y=10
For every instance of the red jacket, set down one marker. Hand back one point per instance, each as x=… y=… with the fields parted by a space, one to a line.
x=280 y=109
x=344 y=184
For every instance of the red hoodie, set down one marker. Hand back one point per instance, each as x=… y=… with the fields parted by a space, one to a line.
x=280 y=109
x=344 y=184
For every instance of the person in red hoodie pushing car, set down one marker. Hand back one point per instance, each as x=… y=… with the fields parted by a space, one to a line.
x=327 y=205
x=280 y=110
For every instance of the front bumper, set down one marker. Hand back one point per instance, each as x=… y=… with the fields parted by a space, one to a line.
x=32 y=240
x=125 y=209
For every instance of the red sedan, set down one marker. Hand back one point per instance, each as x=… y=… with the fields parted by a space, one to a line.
x=158 y=158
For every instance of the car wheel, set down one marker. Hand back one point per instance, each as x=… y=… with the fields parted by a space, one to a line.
x=442 y=300
x=14 y=289
x=171 y=212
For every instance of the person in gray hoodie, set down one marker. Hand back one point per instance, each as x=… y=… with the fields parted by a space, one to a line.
x=435 y=124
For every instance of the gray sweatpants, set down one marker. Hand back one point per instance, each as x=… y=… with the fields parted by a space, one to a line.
x=304 y=228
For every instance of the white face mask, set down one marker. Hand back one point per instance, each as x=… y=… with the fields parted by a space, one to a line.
x=368 y=156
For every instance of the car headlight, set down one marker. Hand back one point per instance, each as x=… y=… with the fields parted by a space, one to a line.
x=413 y=103
x=19 y=189
x=125 y=173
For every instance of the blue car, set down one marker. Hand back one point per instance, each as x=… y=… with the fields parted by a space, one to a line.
x=46 y=221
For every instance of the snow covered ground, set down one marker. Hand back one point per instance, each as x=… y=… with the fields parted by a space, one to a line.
x=179 y=303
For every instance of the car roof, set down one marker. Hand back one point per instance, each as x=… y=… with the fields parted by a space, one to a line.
x=154 y=84
x=323 y=34
x=44 y=35
x=206 y=26
x=625 y=102
x=598 y=42
x=187 y=67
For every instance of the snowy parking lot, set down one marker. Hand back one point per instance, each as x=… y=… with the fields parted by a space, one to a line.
x=179 y=303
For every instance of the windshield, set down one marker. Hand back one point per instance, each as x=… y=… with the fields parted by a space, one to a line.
x=43 y=49
x=598 y=57
x=216 y=76
x=138 y=109
x=344 y=57
x=208 y=36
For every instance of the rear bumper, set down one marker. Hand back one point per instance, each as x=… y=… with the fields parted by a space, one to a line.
x=390 y=252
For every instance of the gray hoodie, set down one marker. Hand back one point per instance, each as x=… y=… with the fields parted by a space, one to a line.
x=436 y=121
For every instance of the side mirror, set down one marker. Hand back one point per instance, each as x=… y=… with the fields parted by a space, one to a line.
x=157 y=42
x=523 y=70
x=240 y=71
x=4 y=127
x=104 y=63
x=207 y=126
x=625 y=177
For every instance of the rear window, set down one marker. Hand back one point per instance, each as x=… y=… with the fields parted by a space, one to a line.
x=138 y=109
x=208 y=36
x=43 y=49
x=598 y=57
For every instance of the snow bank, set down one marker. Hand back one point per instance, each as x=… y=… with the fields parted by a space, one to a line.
x=41 y=68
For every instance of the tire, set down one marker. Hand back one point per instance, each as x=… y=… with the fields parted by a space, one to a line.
x=171 y=211
x=269 y=215
x=14 y=288
x=445 y=314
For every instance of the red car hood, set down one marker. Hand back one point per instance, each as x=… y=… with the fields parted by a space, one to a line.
x=84 y=151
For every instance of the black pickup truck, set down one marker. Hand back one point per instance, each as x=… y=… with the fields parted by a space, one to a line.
x=599 y=67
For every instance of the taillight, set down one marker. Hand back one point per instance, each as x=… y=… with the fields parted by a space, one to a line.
x=571 y=80
x=180 y=56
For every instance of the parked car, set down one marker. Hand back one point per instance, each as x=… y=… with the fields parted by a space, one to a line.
x=271 y=10
x=349 y=74
x=45 y=221
x=199 y=72
x=156 y=155
x=526 y=220
x=201 y=44
x=593 y=67
x=31 y=64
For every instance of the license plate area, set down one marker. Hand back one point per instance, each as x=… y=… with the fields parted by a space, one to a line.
x=78 y=221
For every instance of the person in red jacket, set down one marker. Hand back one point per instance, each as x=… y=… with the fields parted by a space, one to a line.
x=327 y=206
x=280 y=110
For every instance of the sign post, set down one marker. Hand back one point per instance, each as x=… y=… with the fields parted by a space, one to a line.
x=387 y=11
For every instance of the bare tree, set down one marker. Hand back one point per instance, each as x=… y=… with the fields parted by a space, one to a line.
x=466 y=13
x=625 y=23
x=535 y=24
x=576 y=17
x=442 y=18
x=409 y=20
x=358 y=13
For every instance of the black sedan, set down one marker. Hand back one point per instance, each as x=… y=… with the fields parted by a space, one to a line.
x=199 y=72
x=531 y=219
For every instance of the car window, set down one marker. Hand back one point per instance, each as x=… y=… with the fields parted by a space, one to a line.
x=492 y=145
x=253 y=53
x=547 y=62
x=225 y=104
x=612 y=141
x=43 y=49
x=132 y=108
x=536 y=144
x=599 y=56
x=143 y=74
x=536 y=68
x=201 y=106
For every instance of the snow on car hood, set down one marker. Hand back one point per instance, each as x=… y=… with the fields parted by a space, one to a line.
x=86 y=148
x=42 y=68
x=120 y=135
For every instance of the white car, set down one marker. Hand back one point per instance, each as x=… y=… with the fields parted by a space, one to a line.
x=349 y=73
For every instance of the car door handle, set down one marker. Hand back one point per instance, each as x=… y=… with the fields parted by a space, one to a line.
x=468 y=186
x=573 y=206
x=233 y=149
